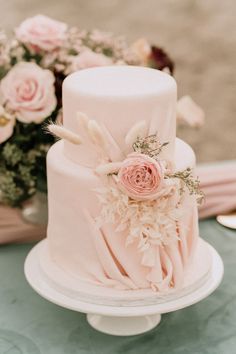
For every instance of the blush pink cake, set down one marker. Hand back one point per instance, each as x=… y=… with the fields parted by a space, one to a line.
x=123 y=220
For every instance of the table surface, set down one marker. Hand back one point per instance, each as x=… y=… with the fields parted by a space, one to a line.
x=31 y=325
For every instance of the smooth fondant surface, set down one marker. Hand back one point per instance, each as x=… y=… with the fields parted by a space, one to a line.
x=117 y=98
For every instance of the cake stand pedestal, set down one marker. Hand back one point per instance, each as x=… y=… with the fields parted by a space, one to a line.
x=120 y=320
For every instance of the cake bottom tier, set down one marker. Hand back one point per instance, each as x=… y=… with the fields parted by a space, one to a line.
x=65 y=283
x=100 y=256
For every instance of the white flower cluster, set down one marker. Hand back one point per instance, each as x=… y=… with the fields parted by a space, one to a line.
x=4 y=50
x=84 y=49
x=149 y=223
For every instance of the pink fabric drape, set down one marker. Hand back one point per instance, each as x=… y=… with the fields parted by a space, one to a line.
x=218 y=182
x=14 y=229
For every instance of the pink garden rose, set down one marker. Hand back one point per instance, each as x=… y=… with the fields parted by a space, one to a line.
x=42 y=32
x=28 y=91
x=89 y=59
x=141 y=177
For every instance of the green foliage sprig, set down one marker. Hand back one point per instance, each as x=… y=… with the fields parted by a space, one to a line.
x=191 y=182
x=23 y=163
x=149 y=145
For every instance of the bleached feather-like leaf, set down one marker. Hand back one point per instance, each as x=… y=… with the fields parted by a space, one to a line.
x=138 y=130
x=121 y=227
x=189 y=112
x=82 y=119
x=108 y=168
x=63 y=133
x=149 y=257
x=128 y=241
x=114 y=152
x=96 y=134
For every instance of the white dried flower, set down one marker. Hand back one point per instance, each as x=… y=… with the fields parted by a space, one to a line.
x=109 y=168
x=189 y=112
x=82 y=120
x=63 y=133
x=137 y=131
x=150 y=223
x=96 y=134
x=114 y=151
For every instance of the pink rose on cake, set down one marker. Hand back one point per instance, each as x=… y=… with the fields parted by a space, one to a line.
x=28 y=91
x=141 y=177
x=89 y=59
x=42 y=33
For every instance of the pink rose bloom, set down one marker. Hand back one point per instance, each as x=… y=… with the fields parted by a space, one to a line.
x=89 y=59
x=42 y=32
x=141 y=177
x=28 y=91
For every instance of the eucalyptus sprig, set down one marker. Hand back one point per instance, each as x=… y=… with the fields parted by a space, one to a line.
x=149 y=145
x=191 y=182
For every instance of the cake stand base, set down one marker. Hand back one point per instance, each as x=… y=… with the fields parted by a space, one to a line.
x=120 y=320
x=123 y=326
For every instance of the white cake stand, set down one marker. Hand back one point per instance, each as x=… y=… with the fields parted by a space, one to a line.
x=120 y=321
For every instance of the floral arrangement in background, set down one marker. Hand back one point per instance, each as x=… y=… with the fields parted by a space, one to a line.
x=33 y=65
x=141 y=192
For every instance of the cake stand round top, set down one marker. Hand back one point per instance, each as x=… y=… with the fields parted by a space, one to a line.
x=39 y=283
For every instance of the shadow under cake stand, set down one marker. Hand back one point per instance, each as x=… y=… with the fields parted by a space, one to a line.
x=120 y=320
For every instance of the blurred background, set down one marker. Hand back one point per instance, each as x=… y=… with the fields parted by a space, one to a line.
x=198 y=35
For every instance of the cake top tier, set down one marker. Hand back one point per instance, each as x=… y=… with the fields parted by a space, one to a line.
x=120 y=81
x=118 y=97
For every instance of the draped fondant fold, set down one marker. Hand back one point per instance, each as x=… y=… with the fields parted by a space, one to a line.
x=101 y=255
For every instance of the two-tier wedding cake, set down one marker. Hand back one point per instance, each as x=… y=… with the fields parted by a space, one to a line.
x=123 y=221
